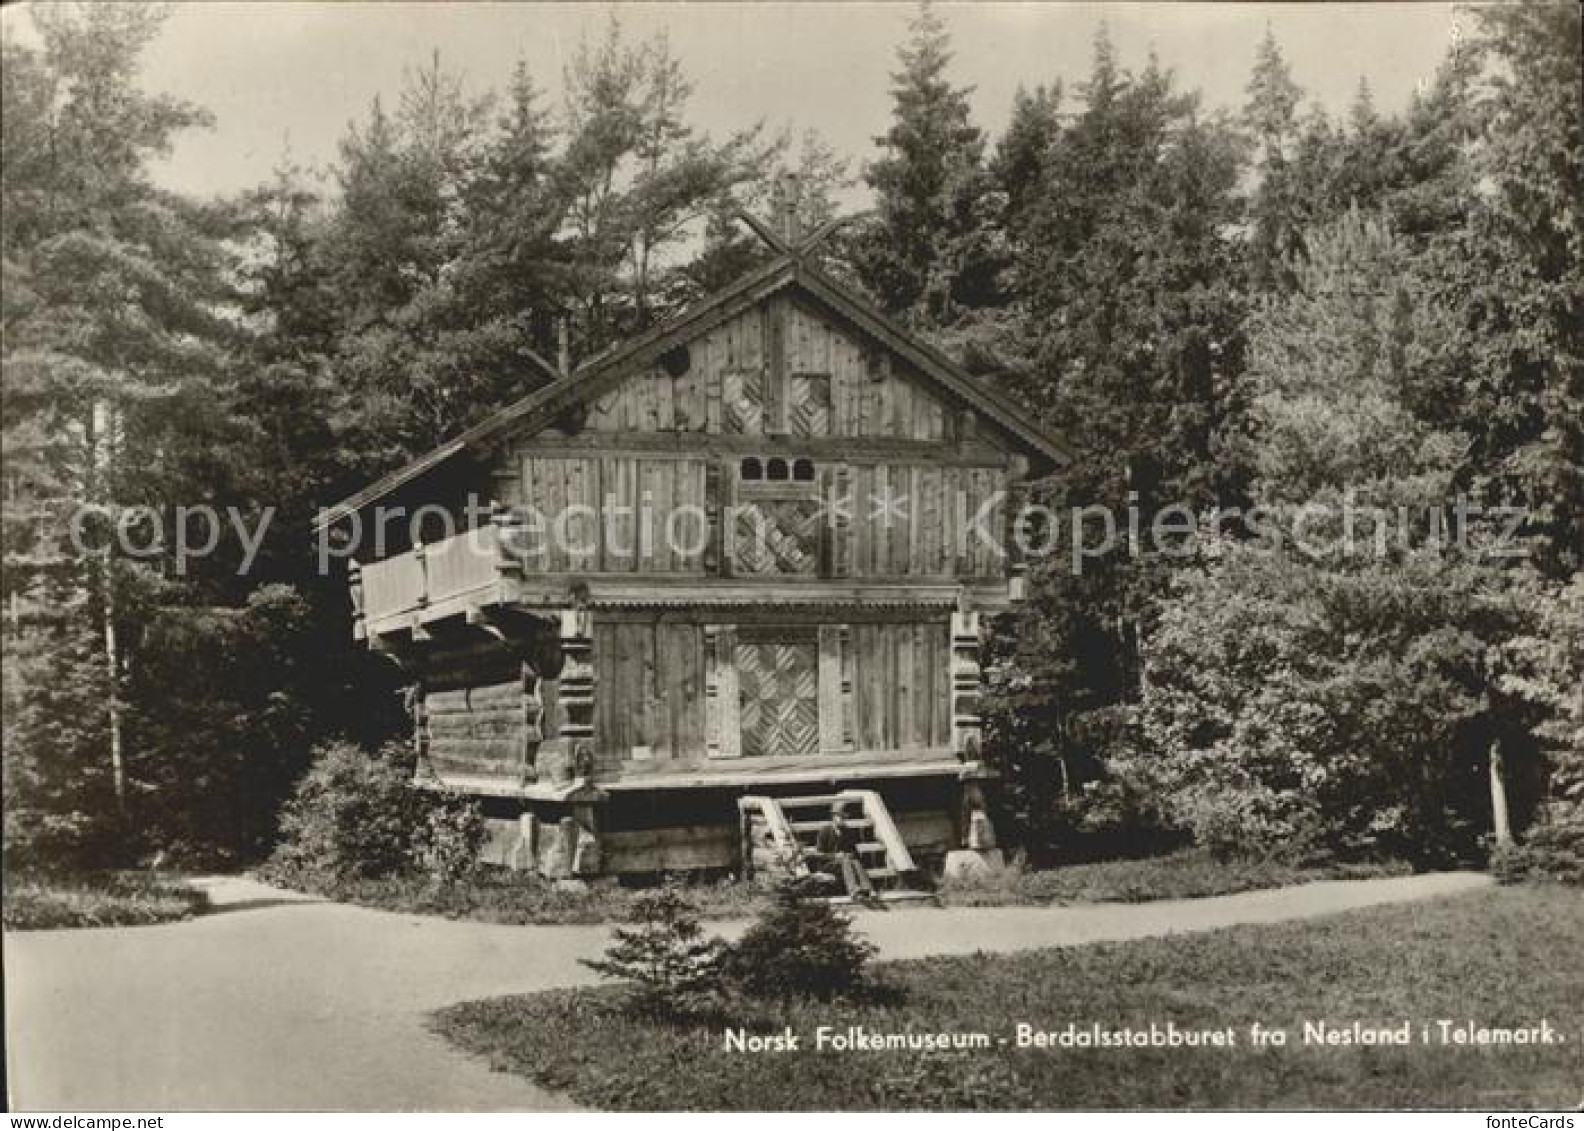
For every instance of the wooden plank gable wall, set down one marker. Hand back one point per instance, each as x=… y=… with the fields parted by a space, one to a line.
x=668 y=442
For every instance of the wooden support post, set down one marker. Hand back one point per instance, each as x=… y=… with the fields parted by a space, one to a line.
x=417 y=702
x=586 y=854
x=722 y=725
x=562 y=846
x=532 y=713
x=526 y=857
x=836 y=536
x=1014 y=534
x=965 y=723
x=577 y=690
x=422 y=564
x=565 y=719
x=977 y=831
x=745 y=847
x=355 y=586
x=835 y=689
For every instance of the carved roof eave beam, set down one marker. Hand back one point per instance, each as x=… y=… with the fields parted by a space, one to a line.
x=795 y=250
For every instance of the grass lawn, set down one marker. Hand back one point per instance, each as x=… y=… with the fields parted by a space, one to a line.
x=498 y=896
x=1188 y=874
x=105 y=899
x=1502 y=957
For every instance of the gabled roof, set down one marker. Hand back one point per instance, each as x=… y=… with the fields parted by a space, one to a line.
x=599 y=373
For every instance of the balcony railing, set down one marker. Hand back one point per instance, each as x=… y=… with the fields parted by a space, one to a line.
x=430 y=580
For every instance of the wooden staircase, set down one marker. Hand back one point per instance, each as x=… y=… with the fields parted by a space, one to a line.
x=779 y=833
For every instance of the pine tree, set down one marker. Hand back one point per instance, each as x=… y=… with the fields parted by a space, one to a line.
x=639 y=183
x=669 y=963
x=1132 y=316
x=1021 y=152
x=932 y=249
x=511 y=264
x=1276 y=210
x=1521 y=278
x=114 y=391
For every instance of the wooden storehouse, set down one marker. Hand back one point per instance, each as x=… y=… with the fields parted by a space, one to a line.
x=660 y=611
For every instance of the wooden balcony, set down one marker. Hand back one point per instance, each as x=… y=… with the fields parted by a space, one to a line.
x=402 y=593
x=489 y=567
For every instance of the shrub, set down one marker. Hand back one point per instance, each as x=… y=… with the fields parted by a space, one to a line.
x=1316 y=711
x=446 y=844
x=667 y=960
x=800 y=946
x=1554 y=849
x=352 y=816
x=1556 y=843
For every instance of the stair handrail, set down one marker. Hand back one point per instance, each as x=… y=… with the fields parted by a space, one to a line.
x=874 y=807
x=780 y=829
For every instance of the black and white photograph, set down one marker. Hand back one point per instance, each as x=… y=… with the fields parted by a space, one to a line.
x=865 y=556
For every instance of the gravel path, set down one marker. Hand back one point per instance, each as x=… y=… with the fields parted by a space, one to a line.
x=277 y=1001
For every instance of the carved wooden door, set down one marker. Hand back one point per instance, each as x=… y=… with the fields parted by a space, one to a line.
x=779 y=696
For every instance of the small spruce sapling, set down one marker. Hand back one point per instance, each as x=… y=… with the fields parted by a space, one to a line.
x=800 y=946
x=666 y=958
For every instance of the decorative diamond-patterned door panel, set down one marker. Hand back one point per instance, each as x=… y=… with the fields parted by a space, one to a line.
x=809 y=404
x=776 y=537
x=779 y=697
x=743 y=402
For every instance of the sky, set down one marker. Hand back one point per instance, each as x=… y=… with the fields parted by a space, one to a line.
x=291 y=76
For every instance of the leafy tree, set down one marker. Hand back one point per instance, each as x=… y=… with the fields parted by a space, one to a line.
x=1132 y=296
x=217 y=757
x=1347 y=372
x=1326 y=688
x=286 y=290
x=410 y=346
x=511 y=270
x=1324 y=709
x=1545 y=668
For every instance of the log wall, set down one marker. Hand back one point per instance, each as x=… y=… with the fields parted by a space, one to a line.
x=478 y=713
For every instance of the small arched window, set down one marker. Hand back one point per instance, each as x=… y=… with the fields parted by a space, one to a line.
x=777 y=469
x=803 y=470
x=752 y=469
